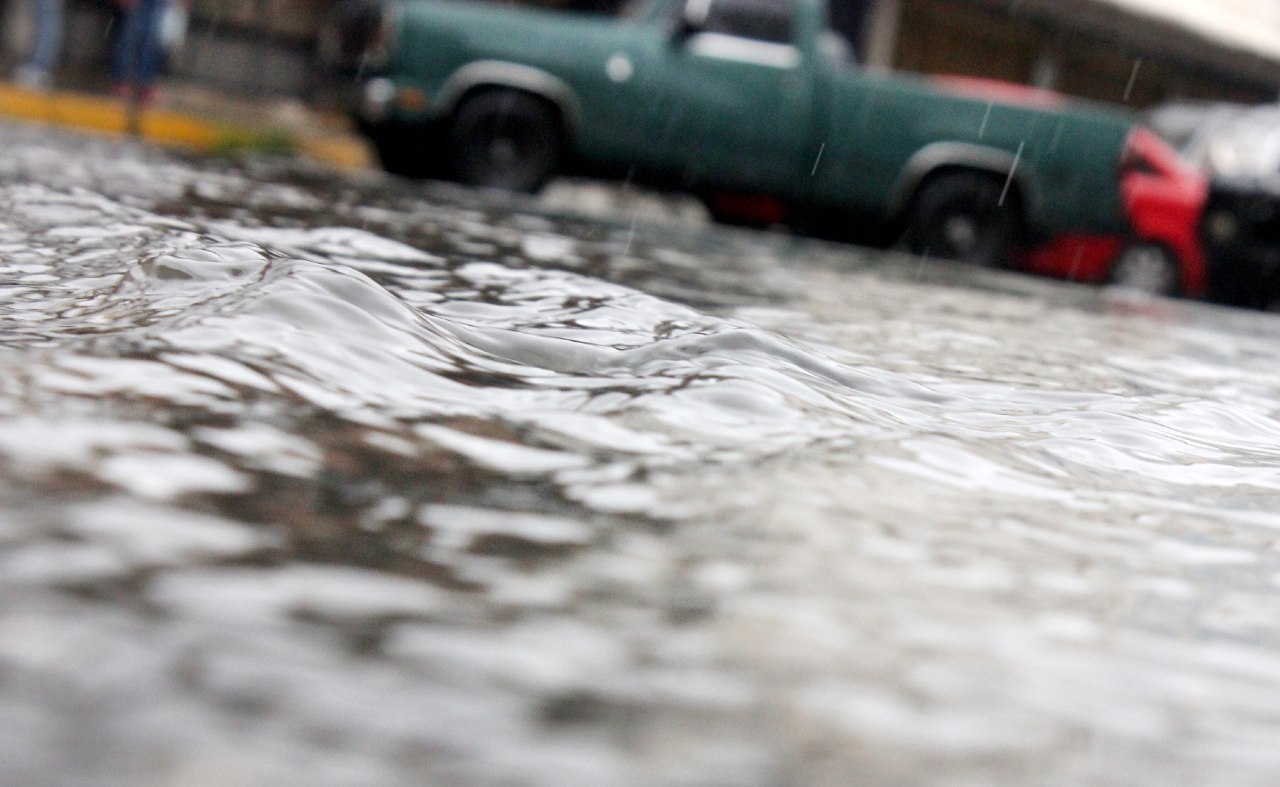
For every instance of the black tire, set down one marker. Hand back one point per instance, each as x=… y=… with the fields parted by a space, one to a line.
x=409 y=151
x=1147 y=267
x=504 y=139
x=964 y=216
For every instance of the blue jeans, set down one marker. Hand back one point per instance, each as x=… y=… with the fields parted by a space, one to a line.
x=137 y=56
x=48 y=35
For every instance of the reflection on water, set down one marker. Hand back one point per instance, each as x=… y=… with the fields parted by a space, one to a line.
x=338 y=482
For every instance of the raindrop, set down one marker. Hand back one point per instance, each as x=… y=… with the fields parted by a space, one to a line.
x=986 y=116
x=632 y=234
x=1057 y=135
x=1075 y=264
x=920 y=263
x=1009 y=180
x=821 y=148
x=1133 y=77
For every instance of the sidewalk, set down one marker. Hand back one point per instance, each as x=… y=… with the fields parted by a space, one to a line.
x=193 y=119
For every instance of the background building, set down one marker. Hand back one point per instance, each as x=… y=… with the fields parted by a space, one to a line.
x=1138 y=52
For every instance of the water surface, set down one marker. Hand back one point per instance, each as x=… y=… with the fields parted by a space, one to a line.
x=309 y=480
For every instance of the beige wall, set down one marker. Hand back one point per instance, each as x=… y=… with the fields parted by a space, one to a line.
x=983 y=39
x=958 y=38
x=289 y=18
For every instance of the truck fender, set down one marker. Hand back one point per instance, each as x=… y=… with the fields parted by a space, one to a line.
x=499 y=73
x=960 y=155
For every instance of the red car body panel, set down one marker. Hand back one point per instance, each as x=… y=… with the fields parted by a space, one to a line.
x=1163 y=202
x=1085 y=258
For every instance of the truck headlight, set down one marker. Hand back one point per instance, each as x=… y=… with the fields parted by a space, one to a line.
x=376 y=99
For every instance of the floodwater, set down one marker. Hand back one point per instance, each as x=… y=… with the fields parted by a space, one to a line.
x=318 y=481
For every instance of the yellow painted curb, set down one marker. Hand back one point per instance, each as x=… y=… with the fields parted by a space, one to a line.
x=94 y=113
x=172 y=129
x=340 y=152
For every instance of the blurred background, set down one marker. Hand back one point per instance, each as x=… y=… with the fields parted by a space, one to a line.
x=1139 y=52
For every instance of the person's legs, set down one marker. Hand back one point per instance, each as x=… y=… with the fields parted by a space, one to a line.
x=48 y=34
x=135 y=63
x=150 y=54
x=126 y=30
x=37 y=71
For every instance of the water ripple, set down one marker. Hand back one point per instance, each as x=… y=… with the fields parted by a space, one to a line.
x=304 y=477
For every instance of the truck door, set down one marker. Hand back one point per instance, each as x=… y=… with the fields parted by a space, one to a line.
x=737 y=107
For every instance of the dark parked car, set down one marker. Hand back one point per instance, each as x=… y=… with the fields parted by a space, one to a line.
x=1241 y=231
x=1238 y=150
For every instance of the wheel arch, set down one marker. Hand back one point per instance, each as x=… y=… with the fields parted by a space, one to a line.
x=942 y=158
x=484 y=75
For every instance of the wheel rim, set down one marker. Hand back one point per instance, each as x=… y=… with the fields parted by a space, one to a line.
x=503 y=142
x=1147 y=269
x=960 y=234
x=961 y=218
x=501 y=154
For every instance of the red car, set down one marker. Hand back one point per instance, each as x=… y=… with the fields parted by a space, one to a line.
x=1163 y=200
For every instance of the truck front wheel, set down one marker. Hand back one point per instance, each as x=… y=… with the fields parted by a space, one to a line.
x=505 y=139
x=407 y=150
x=964 y=216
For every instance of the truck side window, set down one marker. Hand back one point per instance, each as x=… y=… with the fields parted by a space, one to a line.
x=836 y=49
x=850 y=20
x=758 y=20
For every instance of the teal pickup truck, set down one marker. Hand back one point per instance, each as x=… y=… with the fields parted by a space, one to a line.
x=737 y=97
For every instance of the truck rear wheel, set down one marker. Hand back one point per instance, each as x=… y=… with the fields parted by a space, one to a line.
x=505 y=139
x=964 y=216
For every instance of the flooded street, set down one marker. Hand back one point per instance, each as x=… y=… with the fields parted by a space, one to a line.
x=309 y=480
